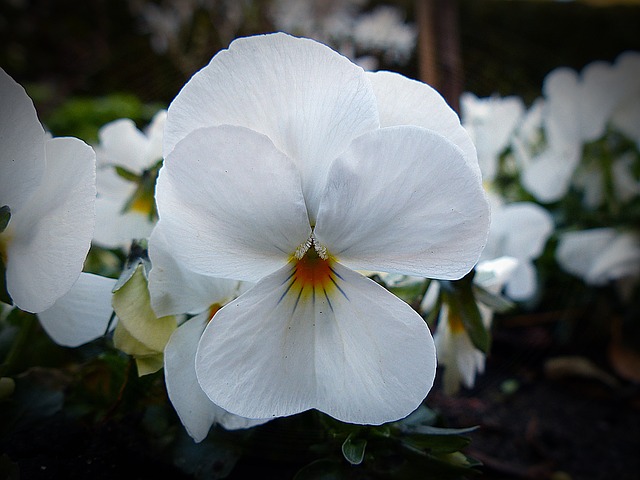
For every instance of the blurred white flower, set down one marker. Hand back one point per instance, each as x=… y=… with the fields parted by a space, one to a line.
x=491 y=123
x=519 y=230
x=461 y=360
x=600 y=255
x=274 y=164
x=128 y=162
x=47 y=193
x=384 y=30
x=626 y=114
x=591 y=179
x=546 y=157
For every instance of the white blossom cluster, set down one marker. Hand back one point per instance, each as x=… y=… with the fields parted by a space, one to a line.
x=580 y=140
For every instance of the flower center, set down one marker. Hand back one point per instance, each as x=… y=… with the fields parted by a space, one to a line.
x=312 y=276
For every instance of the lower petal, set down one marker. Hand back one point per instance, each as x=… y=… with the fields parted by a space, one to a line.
x=347 y=347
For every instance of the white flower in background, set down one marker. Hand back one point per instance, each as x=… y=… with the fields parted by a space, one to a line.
x=600 y=255
x=174 y=291
x=579 y=106
x=491 y=123
x=274 y=165
x=47 y=185
x=519 y=230
x=547 y=158
x=82 y=314
x=461 y=360
x=626 y=114
x=359 y=35
x=128 y=161
x=384 y=30
x=591 y=179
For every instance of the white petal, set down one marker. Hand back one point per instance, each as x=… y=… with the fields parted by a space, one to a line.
x=519 y=229
x=357 y=353
x=197 y=413
x=309 y=100
x=231 y=204
x=491 y=122
x=523 y=282
x=115 y=229
x=404 y=200
x=122 y=144
x=174 y=289
x=599 y=255
x=82 y=314
x=403 y=101
x=52 y=234
x=22 y=138
x=547 y=175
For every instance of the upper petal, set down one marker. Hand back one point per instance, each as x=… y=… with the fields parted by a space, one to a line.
x=404 y=200
x=231 y=204
x=309 y=100
x=52 y=233
x=403 y=101
x=82 y=314
x=22 y=138
x=353 y=351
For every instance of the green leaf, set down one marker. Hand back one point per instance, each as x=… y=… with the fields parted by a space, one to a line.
x=5 y=216
x=127 y=174
x=353 y=449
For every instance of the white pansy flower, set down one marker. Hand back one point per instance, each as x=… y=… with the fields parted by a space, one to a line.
x=47 y=185
x=175 y=290
x=580 y=105
x=546 y=164
x=128 y=160
x=519 y=230
x=461 y=360
x=600 y=255
x=491 y=122
x=277 y=172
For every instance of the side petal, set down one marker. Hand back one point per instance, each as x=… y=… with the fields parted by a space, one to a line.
x=404 y=200
x=197 y=413
x=82 y=314
x=174 y=289
x=309 y=100
x=353 y=351
x=403 y=101
x=52 y=234
x=231 y=204
x=22 y=138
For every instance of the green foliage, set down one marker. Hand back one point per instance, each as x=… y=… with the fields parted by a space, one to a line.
x=82 y=117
